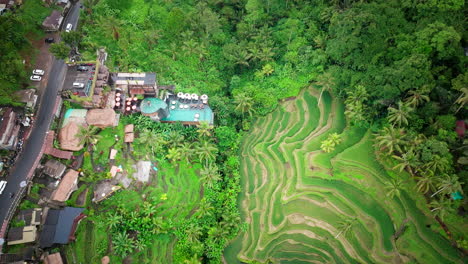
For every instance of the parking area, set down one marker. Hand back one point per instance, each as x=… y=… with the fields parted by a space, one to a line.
x=79 y=78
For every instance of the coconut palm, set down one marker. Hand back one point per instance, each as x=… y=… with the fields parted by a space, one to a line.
x=209 y=175
x=327 y=146
x=242 y=58
x=206 y=151
x=426 y=182
x=243 y=103
x=345 y=225
x=407 y=161
x=391 y=140
x=193 y=260
x=462 y=100
x=193 y=232
x=204 y=129
x=114 y=220
x=122 y=244
x=393 y=187
x=335 y=138
x=173 y=50
x=205 y=209
x=438 y=164
x=155 y=141
x=326 y=82
x=174 y=154
x=217 y=233
x=399 y=116
x=449 y=184
x=88 y=135
x=186 y=152
x=174 y=138
x=417 y=97
x=441 y=208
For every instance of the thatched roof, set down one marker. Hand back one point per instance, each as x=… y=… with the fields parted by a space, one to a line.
x=66 y=187
x=101 y=117
x=129 y=137
x=68 y=137
x=129 y=128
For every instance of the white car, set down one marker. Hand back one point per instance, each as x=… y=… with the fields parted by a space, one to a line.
x=68 y=28
x=38 y=72
x=36 y=78
x=2 y=186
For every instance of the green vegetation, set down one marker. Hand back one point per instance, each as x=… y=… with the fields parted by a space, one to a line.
x=304 y=205
x=18 y=30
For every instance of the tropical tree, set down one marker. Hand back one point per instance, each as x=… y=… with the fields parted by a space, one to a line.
x=193 y=233
x=88 y=135
x=426 y=182
x=391 y=140
x=173 y=50
x=122 y=244
x=462 y=100
x=111 y=24
x=441 y=208
x=204 y=129
x=114 y=220
x=335 y=138
x=407 y=161
x=243 y=103
x=60 y=50
x=174 y=138
x=417 y=97
x=449 y=184
x=205 y=209
x=206 y=151
x=155 y=141
x=186 y=152
x=174 y=154
x=400 y=115
x=345 y=225
x=193 y=260
x=393 y=187
x=326 y=82
x=209 y=175
x=327 y=146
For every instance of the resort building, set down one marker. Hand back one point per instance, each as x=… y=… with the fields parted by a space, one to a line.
x=189 y=109
x=60 y=226
x=135 y=83
x=66 y=187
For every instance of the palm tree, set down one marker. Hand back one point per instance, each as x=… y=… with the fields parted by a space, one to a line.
x=406 y=161
x=345 y=225
x=426 y=182
x=400 y=115
x=335 y=138
x=393 y=187
x=193 y=232
x=391 y=140
x=111 y=24
x=204 y=129
x=153 y=140
x=217 y=233
x=190 y=47
x=122 y=244
x=114 y=220
x=462 y=99
x=438 y=164
x=174 y=138
x=173 y=50
x=326 y=82
x=449 y=184
x=210 y=175
x=88 y=135
x=206 y=151
x=242 y=58
x=193 y=260
x=149 y=208
x=243 y=103
x=441 y=208
x=205 y=209
x=417 y=97
x=174 y=154
x=327 y=146
x=186 y=152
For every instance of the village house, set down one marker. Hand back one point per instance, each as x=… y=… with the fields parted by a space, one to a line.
x=9 y=129
x=60 y=226
x=135 y=83
x=21 y=235
x=67 y=185
x=54 y=169
x=27 y=96
x=53 y=21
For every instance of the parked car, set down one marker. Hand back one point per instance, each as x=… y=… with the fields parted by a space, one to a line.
x=69 y=27
x=82 y=68
x=49 y=40
x=36 y=78
x=2 y=186
x=78 y=85
x=38 y=72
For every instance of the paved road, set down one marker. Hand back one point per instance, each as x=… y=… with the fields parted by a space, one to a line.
x=42 y=123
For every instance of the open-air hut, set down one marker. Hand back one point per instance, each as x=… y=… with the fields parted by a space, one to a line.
x=101 y=117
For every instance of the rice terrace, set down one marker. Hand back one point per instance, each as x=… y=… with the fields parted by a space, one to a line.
x=302 y=205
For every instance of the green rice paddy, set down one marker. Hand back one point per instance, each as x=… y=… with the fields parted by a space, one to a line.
x=296 y=197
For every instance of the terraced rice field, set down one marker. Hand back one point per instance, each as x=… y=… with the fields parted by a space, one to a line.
x=302 y=205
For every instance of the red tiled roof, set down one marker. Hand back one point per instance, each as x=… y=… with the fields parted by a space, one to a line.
x=50 y=150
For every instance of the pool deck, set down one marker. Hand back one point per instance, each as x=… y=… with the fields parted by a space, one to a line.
x=193 y=114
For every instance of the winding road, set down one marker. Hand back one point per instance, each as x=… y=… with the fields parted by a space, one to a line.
x=25 y=163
